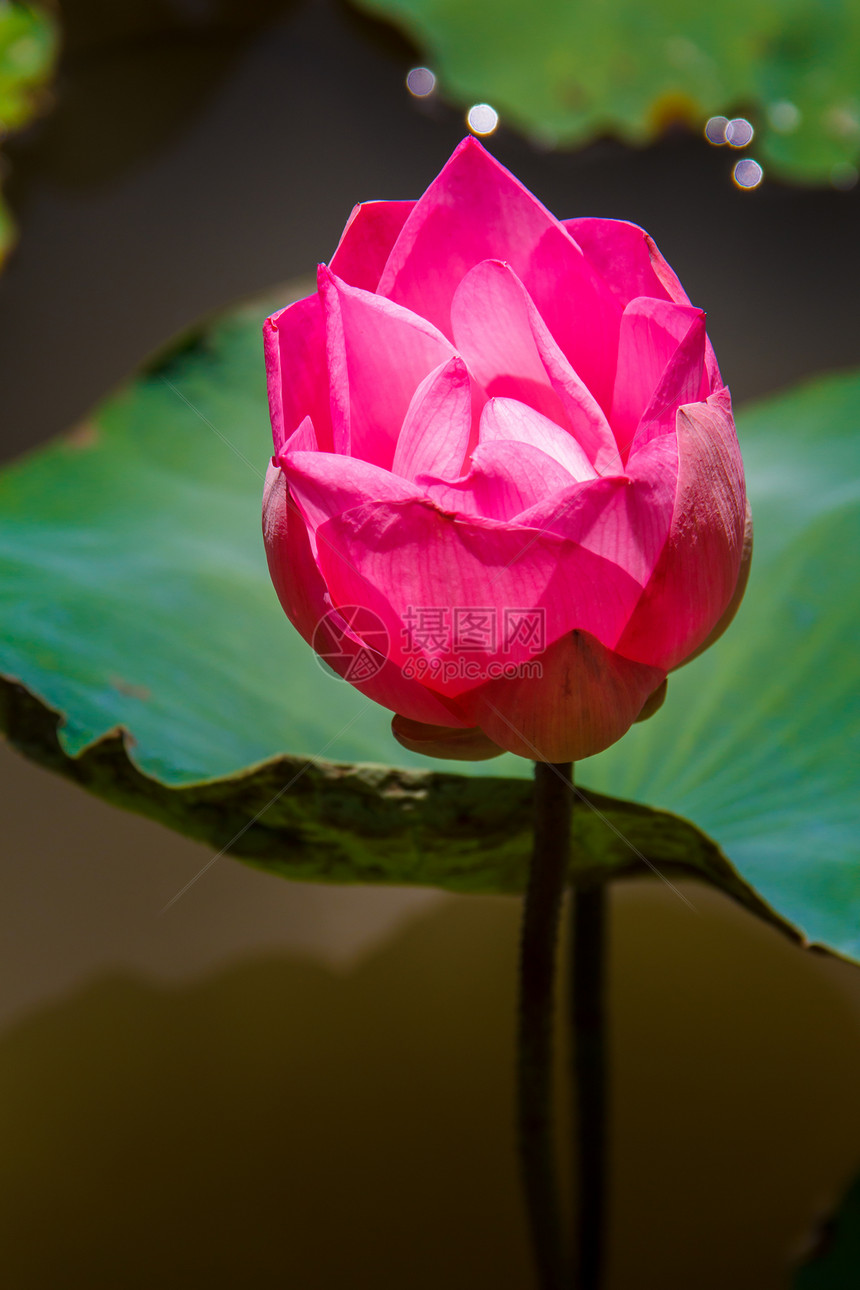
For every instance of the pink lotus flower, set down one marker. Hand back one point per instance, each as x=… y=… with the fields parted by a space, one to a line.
x=506 y=497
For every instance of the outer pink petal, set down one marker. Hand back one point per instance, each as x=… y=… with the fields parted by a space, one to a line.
x=294 y=342
x=627 y=259
x=510 y=352
x=325 y=484
x=302 y=593
x=624 y=519
x=366 y=242
x=505 y=479
x=297 y=580
x=652 y=334
x=437 y=427
x=493 y=331
x=683 y=381
x=378 y=354
x=728 y=614
x=696 y=575
x=510 y=420
x=630 y=263
x=584 y=698
x=577 y=306
x=474 y=210
x=401 y=559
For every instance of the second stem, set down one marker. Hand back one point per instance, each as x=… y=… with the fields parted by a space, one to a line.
x=589 y=919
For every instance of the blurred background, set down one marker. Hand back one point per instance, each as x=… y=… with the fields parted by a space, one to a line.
x=277 y=1084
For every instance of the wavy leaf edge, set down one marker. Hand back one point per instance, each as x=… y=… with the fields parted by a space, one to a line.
x=306 y=819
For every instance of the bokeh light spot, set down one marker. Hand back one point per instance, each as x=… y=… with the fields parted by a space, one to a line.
x=747 y=173
x=715 y=130
x=739 y=133
x=420 y=82
x=482 y=119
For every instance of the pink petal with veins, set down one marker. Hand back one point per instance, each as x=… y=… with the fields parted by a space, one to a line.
x=512 y=421
x=631 y=265
x=296 y=371
x=505 y=479
x=510 y=352
x=694 y=580
x=661 y=351
x=400 y=557
x=305 y=600
x=584 y=698
x=474 y=210
x=378 y=355
x=437 y=428
x=366 y=242
x=581 y=313
x=625 y=519
x=325 y=485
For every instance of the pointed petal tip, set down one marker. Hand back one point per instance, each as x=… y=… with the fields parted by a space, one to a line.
x=325 y=277
x=470 y=141
x=456 y=368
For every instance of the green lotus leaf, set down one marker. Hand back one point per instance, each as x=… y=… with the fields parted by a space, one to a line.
x=146 y=656
x=569 y=71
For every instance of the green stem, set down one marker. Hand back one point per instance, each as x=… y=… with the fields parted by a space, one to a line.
x=589 y=921
x=547 y=878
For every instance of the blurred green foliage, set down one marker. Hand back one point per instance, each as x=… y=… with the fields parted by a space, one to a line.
x=28 y=48
x=569 y=71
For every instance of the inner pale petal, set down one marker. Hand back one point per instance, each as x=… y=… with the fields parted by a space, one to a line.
x=378 y=354
x=508 y=419
x=511 y=353
x=506 y=478
x=436 y=430
x=652 y=333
